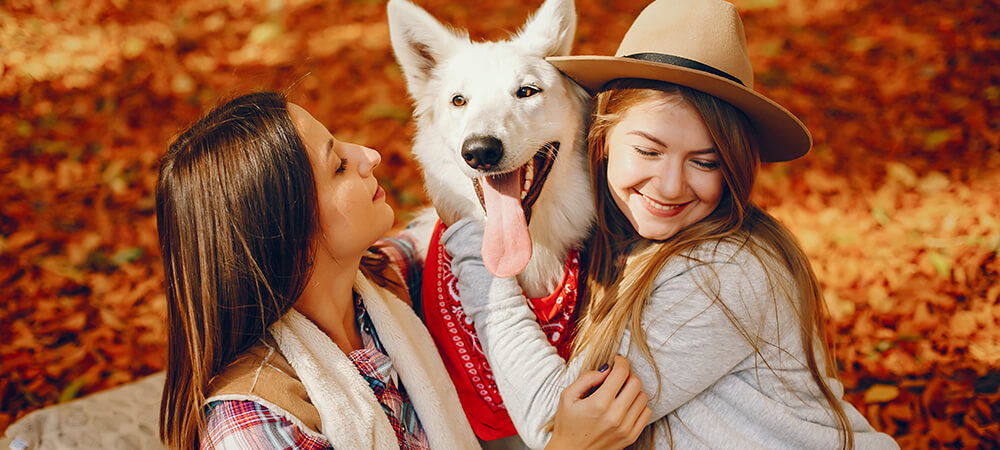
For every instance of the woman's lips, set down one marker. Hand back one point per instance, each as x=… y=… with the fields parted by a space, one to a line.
x=379 y=193
x=661 y=209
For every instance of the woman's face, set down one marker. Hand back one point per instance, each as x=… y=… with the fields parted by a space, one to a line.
x=353 y=213
x=664 y=171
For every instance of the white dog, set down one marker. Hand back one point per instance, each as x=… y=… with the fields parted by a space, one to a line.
x=500 y=137
x=490 y=116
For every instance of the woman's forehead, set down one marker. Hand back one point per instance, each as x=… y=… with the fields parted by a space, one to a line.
x=314 y=134
x=304 y=122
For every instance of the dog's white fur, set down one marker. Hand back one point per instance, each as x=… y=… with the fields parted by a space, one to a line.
x=439 y=63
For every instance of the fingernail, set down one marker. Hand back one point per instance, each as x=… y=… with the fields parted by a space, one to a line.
x=603 y=368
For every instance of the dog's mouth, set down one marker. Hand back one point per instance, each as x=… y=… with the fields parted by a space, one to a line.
x=532 y=176
x=508 y=199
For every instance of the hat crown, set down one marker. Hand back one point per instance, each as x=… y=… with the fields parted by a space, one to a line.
x=707 y=31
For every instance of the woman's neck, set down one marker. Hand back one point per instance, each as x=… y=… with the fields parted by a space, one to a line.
x=328 y=299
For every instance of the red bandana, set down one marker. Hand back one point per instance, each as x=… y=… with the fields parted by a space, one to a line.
x=459 y=347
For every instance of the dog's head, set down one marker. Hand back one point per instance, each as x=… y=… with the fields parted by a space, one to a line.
x=495 y=112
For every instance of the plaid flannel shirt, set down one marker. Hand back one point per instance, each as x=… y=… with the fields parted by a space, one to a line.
x=234 y=424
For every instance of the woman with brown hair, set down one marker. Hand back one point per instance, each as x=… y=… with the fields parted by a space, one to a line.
x=711 y=299
x=286 y=327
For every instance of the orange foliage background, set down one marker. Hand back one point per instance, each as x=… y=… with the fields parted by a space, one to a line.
x=896 y=205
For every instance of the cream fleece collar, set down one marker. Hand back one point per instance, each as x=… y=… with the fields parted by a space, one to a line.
x=351 y=415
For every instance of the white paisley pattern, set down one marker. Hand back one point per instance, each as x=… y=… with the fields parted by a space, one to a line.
x=554 y=316
x=125 y=417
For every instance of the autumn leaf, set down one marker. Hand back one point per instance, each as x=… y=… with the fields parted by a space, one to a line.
x=881 y=393
x=895 y=206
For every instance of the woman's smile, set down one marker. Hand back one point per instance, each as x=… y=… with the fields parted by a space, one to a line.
x=659 y=208
x=663 y=168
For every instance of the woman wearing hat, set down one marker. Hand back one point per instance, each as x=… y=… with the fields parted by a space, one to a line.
x=306 y=341
x=709 y=297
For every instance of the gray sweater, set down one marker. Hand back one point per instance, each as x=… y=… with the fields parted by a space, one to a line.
x=715 y=391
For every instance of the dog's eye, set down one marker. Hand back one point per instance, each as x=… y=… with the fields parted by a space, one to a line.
x=527 y=91
x=458 y=100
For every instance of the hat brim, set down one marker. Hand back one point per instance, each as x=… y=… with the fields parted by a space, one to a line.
x=780 y=135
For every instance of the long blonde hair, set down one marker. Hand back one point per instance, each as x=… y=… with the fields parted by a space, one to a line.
x=617 y=289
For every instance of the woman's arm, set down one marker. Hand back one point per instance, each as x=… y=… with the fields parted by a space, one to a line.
x=405 y=267
x=529 y=374
x=692 y=340
x=237 y=424
x=690 y=337
x=534 y=381
x=603 y=409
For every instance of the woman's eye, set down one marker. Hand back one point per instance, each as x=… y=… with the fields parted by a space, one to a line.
x=343 y=166
x=458 y=100
x=707 y=165
x=527 y=91
x=644 y=152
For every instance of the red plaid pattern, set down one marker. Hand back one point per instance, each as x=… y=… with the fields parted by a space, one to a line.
x=376 y=367
x=235 y=424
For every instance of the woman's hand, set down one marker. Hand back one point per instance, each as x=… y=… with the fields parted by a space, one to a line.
x=611 y=416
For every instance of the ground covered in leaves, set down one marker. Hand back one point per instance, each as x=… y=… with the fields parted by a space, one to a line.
x=896 y=205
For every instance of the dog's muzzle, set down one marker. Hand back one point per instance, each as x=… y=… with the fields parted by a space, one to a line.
x=533 y=174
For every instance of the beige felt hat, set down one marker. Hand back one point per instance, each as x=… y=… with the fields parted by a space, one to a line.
x=699 y=44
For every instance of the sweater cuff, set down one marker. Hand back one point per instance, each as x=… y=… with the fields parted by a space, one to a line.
x=479 y=289
x=463 y=239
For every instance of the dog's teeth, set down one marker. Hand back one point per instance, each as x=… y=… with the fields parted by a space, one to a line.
x=529 y=175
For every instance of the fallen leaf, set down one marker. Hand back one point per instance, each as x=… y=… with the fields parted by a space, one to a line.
x=881 y=393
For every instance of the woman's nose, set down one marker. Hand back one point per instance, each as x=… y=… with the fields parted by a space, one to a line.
x=369 y=160
x=672 y=181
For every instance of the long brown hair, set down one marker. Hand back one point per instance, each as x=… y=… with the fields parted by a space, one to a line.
x=236 y=213
x=618 y=289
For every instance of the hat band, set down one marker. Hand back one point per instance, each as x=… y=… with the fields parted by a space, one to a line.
x=683 y=62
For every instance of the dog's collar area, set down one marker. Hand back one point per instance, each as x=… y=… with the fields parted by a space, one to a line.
x=534 y=173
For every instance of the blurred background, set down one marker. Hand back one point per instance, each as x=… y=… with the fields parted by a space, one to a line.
x=897 y=205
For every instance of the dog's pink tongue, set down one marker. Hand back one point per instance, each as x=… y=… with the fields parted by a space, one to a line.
x=506 y=242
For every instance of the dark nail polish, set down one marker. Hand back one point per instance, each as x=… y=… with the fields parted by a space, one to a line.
x=603 y=368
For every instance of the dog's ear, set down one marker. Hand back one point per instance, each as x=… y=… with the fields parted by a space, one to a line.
x=551 y=30
x=419 y=41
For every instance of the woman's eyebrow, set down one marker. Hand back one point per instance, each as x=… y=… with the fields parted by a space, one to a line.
x=648 y=136
x=329 y=148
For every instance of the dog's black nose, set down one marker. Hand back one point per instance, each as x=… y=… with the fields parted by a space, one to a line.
x=482 y=152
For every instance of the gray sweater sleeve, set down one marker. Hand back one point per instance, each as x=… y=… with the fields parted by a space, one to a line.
x=529 y=373
x=709 y=383
x=692 y=341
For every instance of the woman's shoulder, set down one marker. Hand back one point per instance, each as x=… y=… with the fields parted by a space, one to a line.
x=239 y=424
x=243 y=373
x=261 y=374
x=735 y=270
x=736 y=263
x=733 y=253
